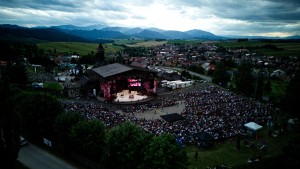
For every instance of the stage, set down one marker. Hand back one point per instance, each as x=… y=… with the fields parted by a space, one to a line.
x=132 y=96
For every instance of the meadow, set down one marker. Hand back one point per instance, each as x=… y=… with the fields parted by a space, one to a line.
x=225 y=152
x=147 y=44
x=271 y=48
x=75 y=47
x=277 y=49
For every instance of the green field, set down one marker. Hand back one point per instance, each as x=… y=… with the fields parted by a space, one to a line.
x=226 y=153
x=127 y=41
x=185 y=42
x=283 y=48
x=53 y=86
x=75 y=47
x=147 y=44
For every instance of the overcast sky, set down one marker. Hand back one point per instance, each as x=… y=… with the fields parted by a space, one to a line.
x=221 y=17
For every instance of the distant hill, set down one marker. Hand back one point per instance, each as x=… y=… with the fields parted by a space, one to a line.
x=102 y=32
x=97 y=34
x=156 y=30
x=14 y=32
x=116 y=29
x=177 y=35
x=150 y=35
x=72 y=27
x=133 y=31
x=199 y=34
x=293 y=37
x=124 y=32
x=8 y=26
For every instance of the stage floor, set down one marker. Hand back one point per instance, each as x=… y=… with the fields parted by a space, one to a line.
x=125 y=97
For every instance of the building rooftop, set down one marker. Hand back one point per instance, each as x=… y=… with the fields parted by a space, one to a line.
x=112 y=69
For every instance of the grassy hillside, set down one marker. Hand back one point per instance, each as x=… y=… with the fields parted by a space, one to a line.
x=75 y=47
x=280 y=48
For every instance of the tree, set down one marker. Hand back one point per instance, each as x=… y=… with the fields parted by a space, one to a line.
x=238 y=142
x=164 y=152
x=62 y=127
x=44 y=61
x=290 y=104
x=186 y=74
x=17 y=74
x=244 y=80
x=88 y=59
x=88 y=139
x=220 y=76
x=198 y=69
x=268 y=87
x=229 y=63
x=38 y=112
x=9 y=124
x=126 y=144
x=73 y=61
x=291 y=101
x=259 y=86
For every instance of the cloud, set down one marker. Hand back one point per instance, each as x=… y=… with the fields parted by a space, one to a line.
x=224 y=17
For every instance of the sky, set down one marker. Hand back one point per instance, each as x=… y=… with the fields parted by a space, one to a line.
x=220 y=17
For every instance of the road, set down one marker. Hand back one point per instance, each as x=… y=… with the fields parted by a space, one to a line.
x=36 y=158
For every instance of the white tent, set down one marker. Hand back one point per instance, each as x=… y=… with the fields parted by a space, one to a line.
x=253 y=126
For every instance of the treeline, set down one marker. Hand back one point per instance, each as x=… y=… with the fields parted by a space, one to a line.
x=41 y=116
x=22 y=53
x=8 y=32
x=245 y=80
x=137 y=51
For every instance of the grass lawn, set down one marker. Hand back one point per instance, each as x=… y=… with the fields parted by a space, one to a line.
x=75 y=47
x=127 y=41
x=226 y=153
x=53 y=86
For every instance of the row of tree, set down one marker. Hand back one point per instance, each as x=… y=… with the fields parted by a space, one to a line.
x=39 y=115
x=247 y=82
x=124 y=146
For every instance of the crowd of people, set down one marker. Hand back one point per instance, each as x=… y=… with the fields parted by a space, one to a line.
x=139 y=108
x=208 y=108
x=221 y=113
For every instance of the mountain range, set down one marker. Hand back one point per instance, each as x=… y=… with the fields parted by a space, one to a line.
x=124 y=32
x=97 y=32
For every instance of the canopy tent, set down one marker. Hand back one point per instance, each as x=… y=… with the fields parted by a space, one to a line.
x=172 y=117
x=253 y=126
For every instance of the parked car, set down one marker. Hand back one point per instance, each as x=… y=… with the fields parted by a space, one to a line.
x=23 y=141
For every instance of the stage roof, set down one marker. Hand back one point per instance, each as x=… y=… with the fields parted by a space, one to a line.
x=112 y=69
x=172 y=117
